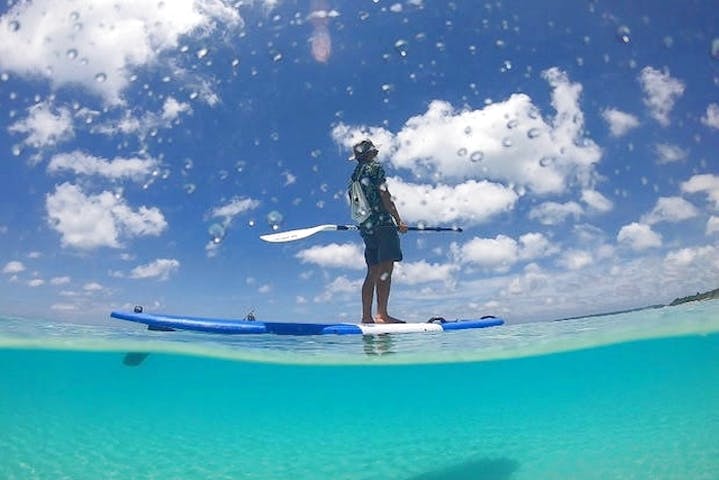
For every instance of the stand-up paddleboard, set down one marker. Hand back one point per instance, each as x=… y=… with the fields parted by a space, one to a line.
x=163 y=322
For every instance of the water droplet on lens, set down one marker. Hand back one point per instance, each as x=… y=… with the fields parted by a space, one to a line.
x=467 y=130
x=401 y=47
x=72 y=54
x=217 y=233
x=462 y=152
x=13 y=26
x=534 y=133
x=512 y=123
x=715 y=48
x=274 y=219
x=240 y=166
x=623 y=34
x=74 y=16
x=189 y=188
x=546 y=161
x=201 y=53
x=476 y=156
x=507 y=142
x=100 y=77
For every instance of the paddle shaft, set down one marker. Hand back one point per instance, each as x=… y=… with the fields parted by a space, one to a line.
x=299 y=234
x=412 y=228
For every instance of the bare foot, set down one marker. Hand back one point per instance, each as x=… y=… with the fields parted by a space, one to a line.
x=388 y=319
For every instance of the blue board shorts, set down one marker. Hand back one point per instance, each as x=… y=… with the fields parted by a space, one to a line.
x=381 y=245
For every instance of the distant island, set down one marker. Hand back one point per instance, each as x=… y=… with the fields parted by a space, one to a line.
x=710 y=295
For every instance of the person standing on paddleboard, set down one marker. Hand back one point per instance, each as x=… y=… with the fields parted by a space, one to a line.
x=379 y=222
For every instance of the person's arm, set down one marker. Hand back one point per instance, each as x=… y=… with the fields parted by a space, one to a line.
x=391 y=208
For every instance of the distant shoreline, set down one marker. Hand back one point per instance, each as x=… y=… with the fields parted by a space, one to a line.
x=709 y=295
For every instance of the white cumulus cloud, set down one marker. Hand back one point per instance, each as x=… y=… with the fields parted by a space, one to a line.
x=45 y=125
x=620 y=123
x=97 y=43
x=505 y=142
x=639 y=236
x=670 y=209
x=340 y=285
x=535 y=245
x=87 y=221
x=712 y=225
x=146 y=123
x=81 y=163
x=554 y=213
x=704 y=183
x=661 y=92
x=711 y=119
x=13 y=267
x=471 y=202
x=347 y=255
x=498 y=253
x=503 y=252
x=667 y=153
x=161 y=269
x=413 y=273
x=233 y=208
x=705 y=256
x=575 y=259
x=596 y=201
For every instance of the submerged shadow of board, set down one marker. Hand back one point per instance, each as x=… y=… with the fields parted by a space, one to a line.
x=133 y=359
x=480 y=469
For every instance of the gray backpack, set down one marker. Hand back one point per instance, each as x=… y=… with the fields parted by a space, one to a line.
x=359 y=205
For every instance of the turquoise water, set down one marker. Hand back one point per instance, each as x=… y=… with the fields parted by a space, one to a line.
x=631 y=396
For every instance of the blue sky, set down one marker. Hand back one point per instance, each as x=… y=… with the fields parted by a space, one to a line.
x=145 y=146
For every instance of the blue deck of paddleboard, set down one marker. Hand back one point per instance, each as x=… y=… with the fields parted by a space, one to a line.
x=236 y=326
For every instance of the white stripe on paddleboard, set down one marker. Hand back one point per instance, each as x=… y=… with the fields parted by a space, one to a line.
x=377 y=328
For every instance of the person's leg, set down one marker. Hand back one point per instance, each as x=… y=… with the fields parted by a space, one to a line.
x=368 y=287
x=370 y=280
x=383 y=284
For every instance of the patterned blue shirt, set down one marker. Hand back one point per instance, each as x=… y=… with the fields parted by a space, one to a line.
x=372 y=177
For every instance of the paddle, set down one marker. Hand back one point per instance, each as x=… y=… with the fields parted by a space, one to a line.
x=299 y=234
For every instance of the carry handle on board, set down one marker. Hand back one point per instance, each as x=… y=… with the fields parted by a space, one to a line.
x=301 y=233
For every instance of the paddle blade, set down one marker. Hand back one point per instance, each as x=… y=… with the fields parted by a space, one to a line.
x=299 y=234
